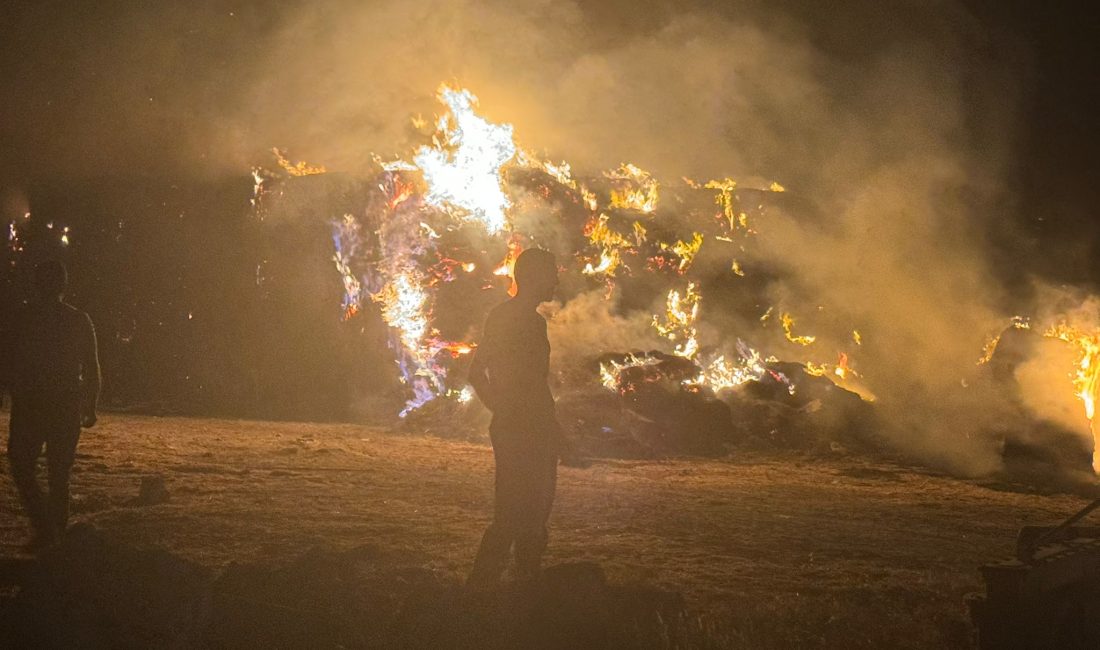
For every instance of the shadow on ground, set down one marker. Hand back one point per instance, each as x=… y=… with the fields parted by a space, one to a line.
x=92 y=592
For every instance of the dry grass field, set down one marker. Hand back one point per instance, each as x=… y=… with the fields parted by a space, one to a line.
x=778 y=549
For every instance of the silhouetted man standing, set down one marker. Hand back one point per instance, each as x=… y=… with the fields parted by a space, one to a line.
x=55 y=386
x=509 y=373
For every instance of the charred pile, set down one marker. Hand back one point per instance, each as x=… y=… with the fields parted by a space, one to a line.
x=1038 y=440
x=657 y=408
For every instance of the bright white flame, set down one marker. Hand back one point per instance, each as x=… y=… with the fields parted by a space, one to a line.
x=463 y=171
x=403 y=301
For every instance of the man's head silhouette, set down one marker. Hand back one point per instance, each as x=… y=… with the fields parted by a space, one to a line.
x=50 y=280
x=536 y=275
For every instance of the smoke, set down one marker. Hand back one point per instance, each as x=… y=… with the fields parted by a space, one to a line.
x=1045 y=376
x=893 y=125
x=589 y=324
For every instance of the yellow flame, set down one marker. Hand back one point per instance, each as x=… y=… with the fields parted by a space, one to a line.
x=611 y=371
x=678 y=325
x=788 y=325
x=300 y=168
x=726 y=201
x=463 y=169
x=589 y=199
x=990 y=347
x=686 y=251
x=562 y=173
x=817 y=370
x=507 y=266
x=776 y=187
x=842 y=370
x=721 y=373
x=1086 y=380
x=637 y=189
x=611 y=244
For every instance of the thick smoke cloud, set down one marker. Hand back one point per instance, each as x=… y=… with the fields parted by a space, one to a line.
x=894 y=124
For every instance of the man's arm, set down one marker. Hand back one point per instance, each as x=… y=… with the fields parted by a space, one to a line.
x=479 y=379
x=479 y=367
x=89 y=370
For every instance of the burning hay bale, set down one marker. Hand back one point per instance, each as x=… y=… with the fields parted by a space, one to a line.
x=666 y=411
x=1041 y=433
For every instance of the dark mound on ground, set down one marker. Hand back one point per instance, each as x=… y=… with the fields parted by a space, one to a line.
x=367 y=598
x=94 y=592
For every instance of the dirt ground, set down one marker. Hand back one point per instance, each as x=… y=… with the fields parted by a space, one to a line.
x=781 y=549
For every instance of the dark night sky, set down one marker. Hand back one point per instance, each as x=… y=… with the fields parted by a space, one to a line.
x=70 y=89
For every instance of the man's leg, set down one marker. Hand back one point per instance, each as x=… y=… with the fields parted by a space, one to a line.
x=532 y=538
x=25 y=441
x=60 y=453
x=508 y=503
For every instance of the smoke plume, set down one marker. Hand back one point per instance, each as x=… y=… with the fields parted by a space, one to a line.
x=892 y=126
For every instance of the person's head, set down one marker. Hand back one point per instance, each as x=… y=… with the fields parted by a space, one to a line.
x=536 y=274
x=50 y=280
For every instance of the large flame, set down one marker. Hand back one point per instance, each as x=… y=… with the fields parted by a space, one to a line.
x=396 y=255
x=636 y=189
x=1086 y=377
x=462 y=169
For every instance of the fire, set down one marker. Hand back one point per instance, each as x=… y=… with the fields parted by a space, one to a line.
x=725 y=201
x=409 y=243
x=402 y=191
x=788 y=325
x=300 y=168
x=1086 y=373
x=678 y=326
x=403 y=302
x=611 y=243
x=636 y=189
x=1087 y=377
x=1018 y=322
x=686 y=251
x=346 y=240
x=507 y=266
x=721 y=374
x=611 y=371
x=562 y=173
x=842 y=370
x=462 y=169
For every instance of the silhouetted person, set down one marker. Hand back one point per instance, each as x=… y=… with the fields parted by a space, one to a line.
x=54 y=384
x=509 y=374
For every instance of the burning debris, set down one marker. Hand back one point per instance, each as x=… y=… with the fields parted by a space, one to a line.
x=1025 y=361
x=431 y=246
x=449 y=223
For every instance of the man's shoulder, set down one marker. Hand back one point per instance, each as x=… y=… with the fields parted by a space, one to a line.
x=512 y=313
